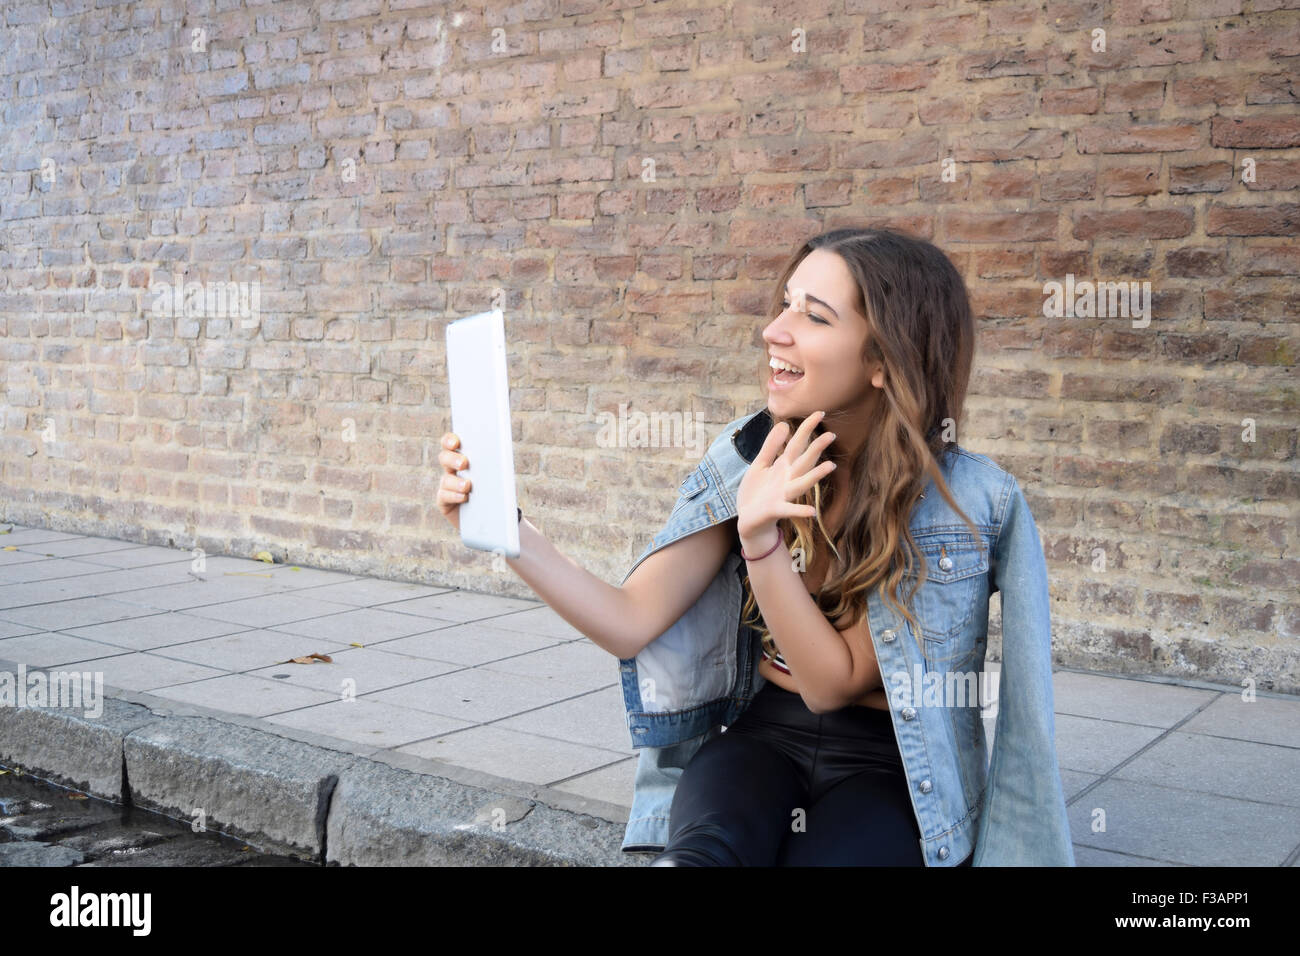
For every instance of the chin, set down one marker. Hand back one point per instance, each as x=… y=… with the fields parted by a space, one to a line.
x=781 y=406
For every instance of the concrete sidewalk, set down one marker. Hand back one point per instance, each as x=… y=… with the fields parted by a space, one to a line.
x=487 y=730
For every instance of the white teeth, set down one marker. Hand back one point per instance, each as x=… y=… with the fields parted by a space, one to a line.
x=778 y=364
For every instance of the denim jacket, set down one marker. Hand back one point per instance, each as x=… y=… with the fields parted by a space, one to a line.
x=701 y=674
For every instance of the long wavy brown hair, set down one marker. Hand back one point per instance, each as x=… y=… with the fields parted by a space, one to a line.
x=921 y=327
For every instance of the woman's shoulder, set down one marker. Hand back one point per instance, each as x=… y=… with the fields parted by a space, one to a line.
x=971 y=474
x=960 y=457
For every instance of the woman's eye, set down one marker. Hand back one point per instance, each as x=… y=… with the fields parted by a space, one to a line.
x=815 y=318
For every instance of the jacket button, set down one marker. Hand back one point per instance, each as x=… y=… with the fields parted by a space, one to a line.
x=943 y=853
x=925 y=786
x=909 y=713
x=945 y=563
x=888 y=635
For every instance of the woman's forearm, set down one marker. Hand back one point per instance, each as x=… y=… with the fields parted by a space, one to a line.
x=596 y=608
x=819 y=660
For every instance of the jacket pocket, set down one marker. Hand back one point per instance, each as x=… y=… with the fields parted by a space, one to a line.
x=690 y=487
x=693 y=483
x=956 y=576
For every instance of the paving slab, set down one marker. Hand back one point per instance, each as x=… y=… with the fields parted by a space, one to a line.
x=470 y=644
x=1183 y=826
x=154 y=630
x=369 y=724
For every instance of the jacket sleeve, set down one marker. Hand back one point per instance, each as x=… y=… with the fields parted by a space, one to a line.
x=1023 y=819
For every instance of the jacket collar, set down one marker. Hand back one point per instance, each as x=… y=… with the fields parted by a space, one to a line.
x=749 y=437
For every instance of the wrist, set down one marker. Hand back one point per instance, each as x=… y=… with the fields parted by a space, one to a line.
x=759 y=540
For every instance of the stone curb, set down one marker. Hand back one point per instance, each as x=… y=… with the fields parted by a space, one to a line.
x=297 y=798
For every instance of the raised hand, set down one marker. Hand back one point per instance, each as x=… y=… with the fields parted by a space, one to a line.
x=781 y=472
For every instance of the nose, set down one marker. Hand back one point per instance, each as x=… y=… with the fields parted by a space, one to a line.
x=776 y=331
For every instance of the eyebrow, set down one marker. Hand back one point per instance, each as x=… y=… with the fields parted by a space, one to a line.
x=813 y=298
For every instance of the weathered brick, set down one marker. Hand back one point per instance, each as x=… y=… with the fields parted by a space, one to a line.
x=1255 y=132
x=1282 y=219
x=1138 y=95
x=1258 y=41
x=996 y=227
x=1204 y=178
x=1139 y=139
x=1134 y=224
x=1006 y=106
x=1194 y=262
x=1084 y=99
x=884 y=78
x=1130 y=181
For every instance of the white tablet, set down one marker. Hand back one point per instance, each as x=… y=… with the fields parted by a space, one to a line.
x=478 y=381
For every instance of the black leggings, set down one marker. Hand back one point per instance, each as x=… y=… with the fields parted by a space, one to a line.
x=735 y=803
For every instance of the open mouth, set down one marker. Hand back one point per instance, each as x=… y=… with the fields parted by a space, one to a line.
x=783 y=377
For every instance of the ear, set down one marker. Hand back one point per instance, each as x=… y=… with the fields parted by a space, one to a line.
x=878 y=379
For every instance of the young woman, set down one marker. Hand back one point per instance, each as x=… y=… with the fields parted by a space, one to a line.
x=868 y=350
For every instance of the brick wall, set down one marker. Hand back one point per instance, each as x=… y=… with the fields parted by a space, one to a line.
x=625 y=179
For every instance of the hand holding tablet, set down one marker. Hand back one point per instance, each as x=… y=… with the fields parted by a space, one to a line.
x=482 y=444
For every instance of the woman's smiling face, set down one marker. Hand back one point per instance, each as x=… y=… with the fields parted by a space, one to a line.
x=821 y=332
